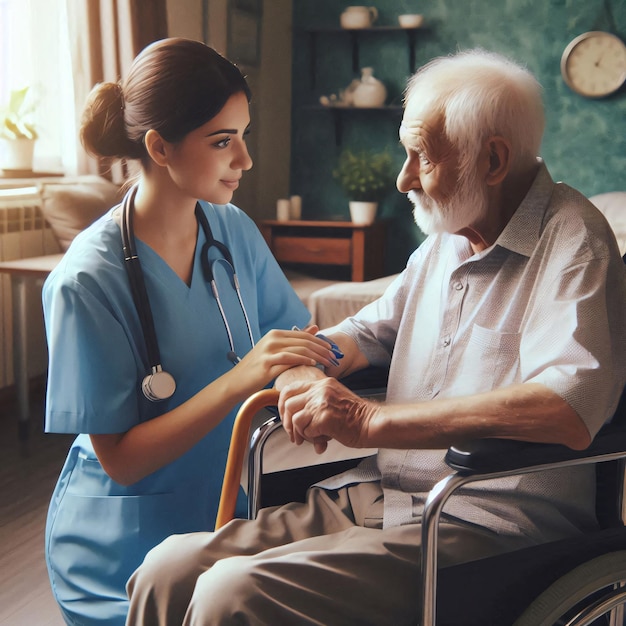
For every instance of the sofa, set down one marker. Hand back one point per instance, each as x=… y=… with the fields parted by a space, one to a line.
x=70 y=204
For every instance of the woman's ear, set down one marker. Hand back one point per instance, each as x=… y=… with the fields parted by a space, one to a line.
x=499 y=152
x=156 y=147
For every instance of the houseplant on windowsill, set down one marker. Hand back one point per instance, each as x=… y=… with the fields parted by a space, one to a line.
x=18 y=131
x=365 y=177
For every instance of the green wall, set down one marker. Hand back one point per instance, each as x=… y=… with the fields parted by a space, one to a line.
x=585 y=140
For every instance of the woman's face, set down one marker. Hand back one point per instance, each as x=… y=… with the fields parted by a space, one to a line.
x=209 y=162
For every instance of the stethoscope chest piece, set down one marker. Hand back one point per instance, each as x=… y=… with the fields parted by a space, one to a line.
x=158 y=385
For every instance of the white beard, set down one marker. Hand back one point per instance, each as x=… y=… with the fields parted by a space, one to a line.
x=466 y=207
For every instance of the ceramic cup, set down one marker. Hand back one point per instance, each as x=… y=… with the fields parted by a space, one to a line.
x=358 y=17
x=283 y=207
x=295 y=207
x=410 y=20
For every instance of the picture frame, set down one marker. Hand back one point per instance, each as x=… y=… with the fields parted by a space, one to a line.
x=244 y=32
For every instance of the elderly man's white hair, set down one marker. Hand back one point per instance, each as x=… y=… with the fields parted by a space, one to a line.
x=481 y=94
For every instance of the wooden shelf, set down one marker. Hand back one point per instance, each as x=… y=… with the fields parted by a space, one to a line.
x=339 y=112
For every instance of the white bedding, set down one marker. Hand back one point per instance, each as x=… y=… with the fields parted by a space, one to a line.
x=332 y=304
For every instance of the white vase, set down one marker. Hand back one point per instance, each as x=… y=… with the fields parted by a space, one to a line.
x=362 y=212
x=18 y=154
x=370 y=92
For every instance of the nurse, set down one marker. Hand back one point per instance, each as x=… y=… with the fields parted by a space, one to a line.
x=150 y=453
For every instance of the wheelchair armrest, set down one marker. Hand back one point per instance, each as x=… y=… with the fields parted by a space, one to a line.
x=368 y=381
x=486 y=456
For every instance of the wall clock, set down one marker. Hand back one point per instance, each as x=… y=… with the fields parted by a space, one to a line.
x=594 y=64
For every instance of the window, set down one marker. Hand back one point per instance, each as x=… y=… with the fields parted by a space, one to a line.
x=35 y=51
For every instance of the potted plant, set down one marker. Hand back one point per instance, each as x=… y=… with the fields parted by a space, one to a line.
x=365 y=177
x=18 y=131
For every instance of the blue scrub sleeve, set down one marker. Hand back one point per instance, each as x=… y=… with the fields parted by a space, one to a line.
x=278 y=304
x=92 y=374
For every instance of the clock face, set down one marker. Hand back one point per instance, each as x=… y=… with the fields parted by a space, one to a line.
x=594 y=64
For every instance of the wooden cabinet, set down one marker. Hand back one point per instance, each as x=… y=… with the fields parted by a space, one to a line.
x=360 y=248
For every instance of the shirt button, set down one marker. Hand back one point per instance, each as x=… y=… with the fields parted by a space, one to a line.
x=458 y=286
x=446 y=342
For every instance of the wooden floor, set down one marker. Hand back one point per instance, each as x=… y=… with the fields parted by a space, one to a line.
x=27 y=477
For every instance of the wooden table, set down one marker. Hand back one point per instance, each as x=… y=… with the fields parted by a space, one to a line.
x=21 y=271
x=317 y=242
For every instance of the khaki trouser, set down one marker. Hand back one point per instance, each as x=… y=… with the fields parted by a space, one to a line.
x=325 y=562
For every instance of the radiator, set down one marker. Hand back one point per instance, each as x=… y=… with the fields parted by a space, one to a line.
x=23 y=233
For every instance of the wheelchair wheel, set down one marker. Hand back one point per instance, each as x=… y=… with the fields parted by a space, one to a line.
x=590 y=582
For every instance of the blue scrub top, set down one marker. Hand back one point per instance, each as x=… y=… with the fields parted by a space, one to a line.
x=98 y=531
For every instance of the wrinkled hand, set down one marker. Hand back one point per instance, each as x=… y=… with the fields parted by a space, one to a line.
x=323 y=410
x=278 y=351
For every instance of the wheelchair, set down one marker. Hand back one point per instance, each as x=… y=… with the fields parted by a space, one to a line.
x=573 y=582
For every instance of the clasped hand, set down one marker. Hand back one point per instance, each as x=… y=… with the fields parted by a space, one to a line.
x=321 y=410
x=278 y=351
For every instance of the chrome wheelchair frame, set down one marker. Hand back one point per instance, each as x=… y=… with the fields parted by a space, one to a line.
x=482 y=460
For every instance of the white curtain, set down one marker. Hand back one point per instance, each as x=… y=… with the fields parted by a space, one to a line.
x=34 y=51
x=62 y=48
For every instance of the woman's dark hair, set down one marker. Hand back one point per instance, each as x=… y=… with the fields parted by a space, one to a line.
x=174 y=86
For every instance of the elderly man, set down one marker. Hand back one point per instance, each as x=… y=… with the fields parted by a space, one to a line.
x=508 y=322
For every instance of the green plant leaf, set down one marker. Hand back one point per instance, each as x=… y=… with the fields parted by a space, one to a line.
x=16 y=100
x=14 y=120
x=365 y=175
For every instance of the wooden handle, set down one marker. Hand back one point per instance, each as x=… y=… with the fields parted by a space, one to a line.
x=236 y=454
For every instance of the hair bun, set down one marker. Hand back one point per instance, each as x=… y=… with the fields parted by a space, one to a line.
x=103 y=132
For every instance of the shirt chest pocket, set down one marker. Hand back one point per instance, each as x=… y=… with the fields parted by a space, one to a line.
x=489 y=360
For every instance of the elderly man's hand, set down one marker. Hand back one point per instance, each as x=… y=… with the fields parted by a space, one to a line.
x=325 y=409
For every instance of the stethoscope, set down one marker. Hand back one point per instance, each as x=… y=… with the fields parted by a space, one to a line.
x=159 y=384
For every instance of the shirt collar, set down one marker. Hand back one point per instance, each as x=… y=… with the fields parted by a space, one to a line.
x=522 y=232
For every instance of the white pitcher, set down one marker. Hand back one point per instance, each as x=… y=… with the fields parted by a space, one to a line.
x=358 y=17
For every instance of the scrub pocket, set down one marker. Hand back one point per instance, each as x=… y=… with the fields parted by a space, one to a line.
x=96 y=542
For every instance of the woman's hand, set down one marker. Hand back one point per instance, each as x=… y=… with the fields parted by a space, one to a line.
x=323 y=410
x=278 y=351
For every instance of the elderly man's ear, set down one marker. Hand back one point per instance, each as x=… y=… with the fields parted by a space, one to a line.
x=498 y=159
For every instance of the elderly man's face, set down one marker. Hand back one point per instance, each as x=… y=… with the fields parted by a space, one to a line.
x=445 y=199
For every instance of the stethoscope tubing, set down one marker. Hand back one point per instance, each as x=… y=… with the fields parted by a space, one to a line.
x=137 y=282
x=158 y=384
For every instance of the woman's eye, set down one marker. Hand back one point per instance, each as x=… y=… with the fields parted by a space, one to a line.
x=223 y=143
